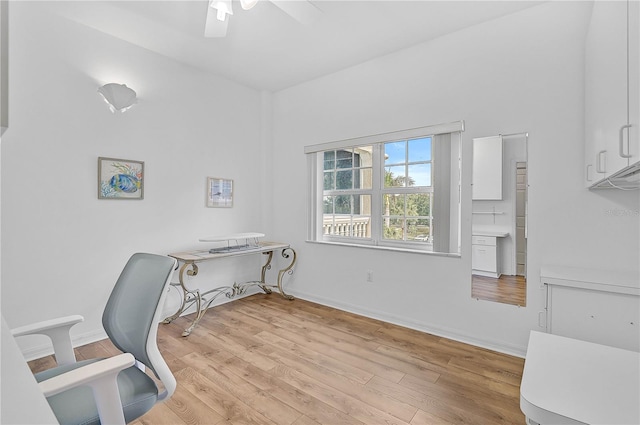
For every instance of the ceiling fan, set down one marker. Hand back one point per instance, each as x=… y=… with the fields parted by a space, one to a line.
x=219 y=11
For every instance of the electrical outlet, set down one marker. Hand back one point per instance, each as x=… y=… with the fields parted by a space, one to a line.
x=369 y=275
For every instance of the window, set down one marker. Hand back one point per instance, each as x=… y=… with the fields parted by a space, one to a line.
x=398 y=190
x=407 y=191
x=347 y=190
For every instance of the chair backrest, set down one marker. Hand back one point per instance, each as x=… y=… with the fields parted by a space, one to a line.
x=134 y=310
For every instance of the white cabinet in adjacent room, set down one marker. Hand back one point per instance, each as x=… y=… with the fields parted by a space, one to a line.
x=487 y=168
x=485 y=258
x=612 y=89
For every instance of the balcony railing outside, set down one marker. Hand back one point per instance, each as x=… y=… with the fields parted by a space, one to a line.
x=356 y=226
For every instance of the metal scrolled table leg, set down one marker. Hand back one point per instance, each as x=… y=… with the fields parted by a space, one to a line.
x=188 y=297
x=288 y=269
x=263 y=275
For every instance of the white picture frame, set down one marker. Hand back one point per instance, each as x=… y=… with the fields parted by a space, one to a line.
x=219 y=192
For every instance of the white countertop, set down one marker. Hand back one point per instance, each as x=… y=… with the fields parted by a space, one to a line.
x=624 y=282
x=489 y=231
x=567 y=381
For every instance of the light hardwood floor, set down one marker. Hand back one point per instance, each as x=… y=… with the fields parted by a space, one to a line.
x=265 y=360
x=505 y=289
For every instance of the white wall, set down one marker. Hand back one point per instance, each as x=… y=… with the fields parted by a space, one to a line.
x=62 y=247
x=523 y=72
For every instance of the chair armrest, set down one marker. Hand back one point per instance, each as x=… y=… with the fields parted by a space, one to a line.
x=58 y=331
x=102 y=378
x=46 y=325
x=86 y=374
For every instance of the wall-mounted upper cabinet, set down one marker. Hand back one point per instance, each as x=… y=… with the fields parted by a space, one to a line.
x=487 y=168
x=612 y=89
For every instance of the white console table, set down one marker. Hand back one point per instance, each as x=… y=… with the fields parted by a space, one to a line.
x=567 y=381
x=202 y=301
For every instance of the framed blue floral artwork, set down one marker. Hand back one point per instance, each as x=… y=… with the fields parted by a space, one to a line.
x=120 y=179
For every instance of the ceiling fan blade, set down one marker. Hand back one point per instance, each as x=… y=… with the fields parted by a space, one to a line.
x=213 y=27
x=300 y=10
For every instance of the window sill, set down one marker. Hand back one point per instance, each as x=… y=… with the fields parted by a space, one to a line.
x=388 y=248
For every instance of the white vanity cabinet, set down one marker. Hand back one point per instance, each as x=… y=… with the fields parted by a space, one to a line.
x=612 y=89
x=485 y=256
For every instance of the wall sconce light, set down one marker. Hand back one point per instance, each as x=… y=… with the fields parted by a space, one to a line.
x=118 y=96
x=223 y=7
x=248 y=4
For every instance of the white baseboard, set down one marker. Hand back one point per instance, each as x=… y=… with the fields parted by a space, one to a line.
x=453 y=334
x=46 y=349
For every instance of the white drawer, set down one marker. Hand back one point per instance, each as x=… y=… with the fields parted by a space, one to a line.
x=484 y=258
x=483 y=240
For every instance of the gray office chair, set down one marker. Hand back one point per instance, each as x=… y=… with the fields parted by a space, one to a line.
x=115 y=390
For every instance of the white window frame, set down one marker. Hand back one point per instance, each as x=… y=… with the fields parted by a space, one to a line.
x=345 y=192
x=315 y=188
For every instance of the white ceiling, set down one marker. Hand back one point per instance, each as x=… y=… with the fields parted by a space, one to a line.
x=267 y=49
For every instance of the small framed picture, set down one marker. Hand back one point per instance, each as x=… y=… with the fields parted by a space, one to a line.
x=219 y=192
x=120 y=179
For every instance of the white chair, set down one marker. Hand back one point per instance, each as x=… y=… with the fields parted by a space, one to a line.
x=114 y=390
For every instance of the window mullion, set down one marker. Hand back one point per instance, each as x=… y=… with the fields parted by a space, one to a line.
x=376 y=195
